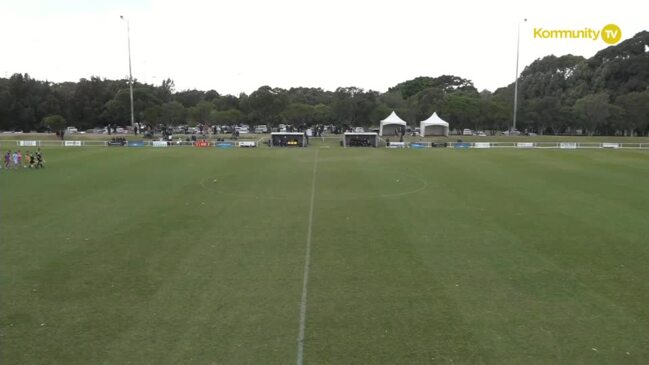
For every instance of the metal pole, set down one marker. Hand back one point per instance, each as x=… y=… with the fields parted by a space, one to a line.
x=518 y=42
x=130 y=73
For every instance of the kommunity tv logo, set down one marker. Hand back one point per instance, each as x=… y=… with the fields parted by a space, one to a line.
x=610 y=34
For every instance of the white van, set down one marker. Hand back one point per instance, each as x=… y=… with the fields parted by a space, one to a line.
x=71 y=130
x=467 y=132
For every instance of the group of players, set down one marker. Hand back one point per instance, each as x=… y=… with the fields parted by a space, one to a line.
x=17 y=159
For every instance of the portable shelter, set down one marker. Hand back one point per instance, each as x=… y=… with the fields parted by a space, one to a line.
x=433 y=126
x=389 y=125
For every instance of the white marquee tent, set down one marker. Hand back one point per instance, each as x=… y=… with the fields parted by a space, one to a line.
x=433 y=126
x=390 y=124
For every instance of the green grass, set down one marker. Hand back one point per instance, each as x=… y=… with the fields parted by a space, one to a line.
x=126 y=255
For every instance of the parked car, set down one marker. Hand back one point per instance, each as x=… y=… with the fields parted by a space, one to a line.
x=262 y=128
x=71 y=130
x=467 y=132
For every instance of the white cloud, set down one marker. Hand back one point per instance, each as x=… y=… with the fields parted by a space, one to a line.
x=235 y=46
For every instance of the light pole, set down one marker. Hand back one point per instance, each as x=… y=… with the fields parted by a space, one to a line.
x=518 y=42
x=130 y=74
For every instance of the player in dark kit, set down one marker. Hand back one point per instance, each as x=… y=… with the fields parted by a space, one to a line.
x=39 y=159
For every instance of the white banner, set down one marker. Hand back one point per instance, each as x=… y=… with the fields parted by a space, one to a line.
x=72 y=143
x=568 y=145
x=27 y=143
x=159 y=144
x=610 y=145
x=247 y=144
x=397 y=145
x=482 y=145
x=525 y=145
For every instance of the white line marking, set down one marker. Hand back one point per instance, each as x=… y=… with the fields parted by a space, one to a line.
x=307 y=259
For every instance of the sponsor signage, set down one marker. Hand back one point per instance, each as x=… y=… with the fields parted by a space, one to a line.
x=247 y=144
x=135 y=143
x=568 y=145
x=202 y=144
x=525 y=145
x=159 y=144
x=610 y=145
x=482 y=145
x=462 y=145
x=224 y=145
x=72 y=143
x=418 y=145
x=27 y=143
x=397 y=145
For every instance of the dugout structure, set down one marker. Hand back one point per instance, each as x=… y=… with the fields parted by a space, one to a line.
x=367 y=139
x=288 y=139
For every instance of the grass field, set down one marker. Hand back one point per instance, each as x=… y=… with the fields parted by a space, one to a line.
x=174 y=256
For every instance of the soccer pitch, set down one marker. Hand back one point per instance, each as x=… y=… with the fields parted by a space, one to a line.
x=187 y=255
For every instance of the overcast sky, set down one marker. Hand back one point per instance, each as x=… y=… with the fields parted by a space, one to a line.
x=238 y=45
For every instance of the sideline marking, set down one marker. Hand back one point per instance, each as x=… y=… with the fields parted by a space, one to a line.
x=307 y=259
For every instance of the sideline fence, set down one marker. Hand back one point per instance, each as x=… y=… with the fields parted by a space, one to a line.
x=549 y=145
x=383 y=143
x=129 y=143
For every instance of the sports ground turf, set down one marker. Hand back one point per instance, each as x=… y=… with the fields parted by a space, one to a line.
x=174 y=256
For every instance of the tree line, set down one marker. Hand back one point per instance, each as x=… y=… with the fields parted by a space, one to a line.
x=606 y=94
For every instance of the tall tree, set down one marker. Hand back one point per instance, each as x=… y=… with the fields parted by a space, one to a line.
x=54 y=122
x=166 y=90
x=298 y=113
x=593 y=111
x=201 y=112
x=266 y=103
x=173 y=113
x=227 y=117
x=634 y=107
x=462 y=110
